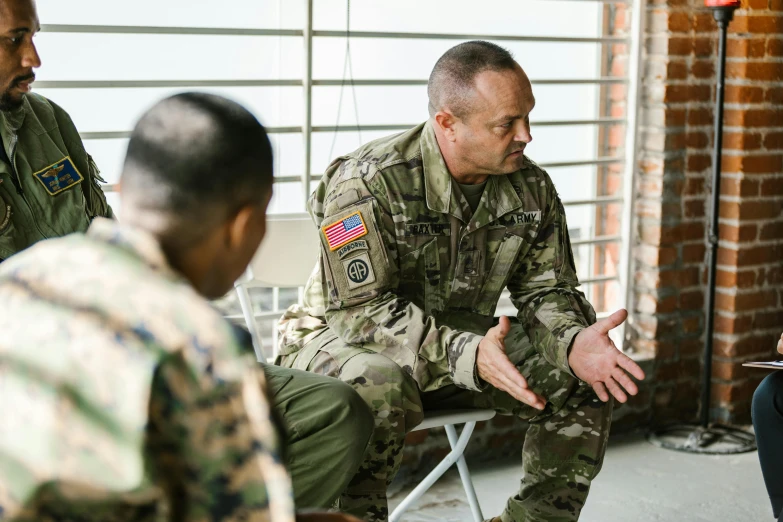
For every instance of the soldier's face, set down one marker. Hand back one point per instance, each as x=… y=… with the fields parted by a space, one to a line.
x=493 y=136
x=18 y=56
x=244 y=235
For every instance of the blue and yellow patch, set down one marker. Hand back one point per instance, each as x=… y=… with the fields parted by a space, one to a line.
x=59 y=176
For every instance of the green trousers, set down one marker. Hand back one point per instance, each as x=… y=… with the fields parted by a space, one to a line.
x=327 y=428
x=561 y=454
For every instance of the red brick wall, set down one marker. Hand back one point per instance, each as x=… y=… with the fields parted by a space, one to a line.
x=673 y=192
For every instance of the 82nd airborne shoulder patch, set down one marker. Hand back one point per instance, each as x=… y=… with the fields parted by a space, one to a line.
x=59 y=176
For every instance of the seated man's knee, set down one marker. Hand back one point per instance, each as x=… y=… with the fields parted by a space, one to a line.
x=768 y=397
x=353 y=414
x=385 y=387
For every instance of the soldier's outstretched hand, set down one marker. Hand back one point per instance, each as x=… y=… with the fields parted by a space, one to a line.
x=780 y=344
x=596 y=360
x=496 y=368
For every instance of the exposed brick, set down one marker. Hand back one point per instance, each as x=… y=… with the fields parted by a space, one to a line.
x=695 y=208
x=743 y=302
x=700 y=116
x=747 y=346
x=733 y=392
x=733 y=279
x=771 y=231
x=738 y=234
x=773 y=187
x=691 y=300
x=733 y=325
x=757 y=24
x=693 y=253
x=730 y=371
x=699 y=162
x=761 y=71
x=773 y=140
x=743 y=94
x=767 y=117
x=775 y=47
x=763 y=163
x=738 y=187
x=753 y=209
x=741 y=140
x=746 y=47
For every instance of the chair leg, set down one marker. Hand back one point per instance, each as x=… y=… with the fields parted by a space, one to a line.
x=250 y=320
x=464 y=474
x=457 y=449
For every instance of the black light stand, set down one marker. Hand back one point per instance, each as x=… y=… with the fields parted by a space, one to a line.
x=712 y=439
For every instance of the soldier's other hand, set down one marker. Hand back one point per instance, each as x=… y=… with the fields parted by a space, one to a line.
x=596 y=360
x=780 y=344
x=496 y=368
x=323 y=516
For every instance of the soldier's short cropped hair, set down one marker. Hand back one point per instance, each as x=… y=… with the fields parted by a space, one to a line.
x=194 y=154
x=453 y=76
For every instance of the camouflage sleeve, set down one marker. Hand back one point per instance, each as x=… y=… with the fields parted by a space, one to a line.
x=211 y=446
x=97 y=205
x=361 y=278
x=544 y=288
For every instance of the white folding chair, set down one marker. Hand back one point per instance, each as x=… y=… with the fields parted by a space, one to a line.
x=448 y=419
x=286 y=259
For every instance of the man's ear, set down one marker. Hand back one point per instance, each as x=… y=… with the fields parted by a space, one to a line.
x=238 y=227
x=447 y=122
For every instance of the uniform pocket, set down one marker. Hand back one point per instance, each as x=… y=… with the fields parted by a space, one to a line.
x=420 y=277
x=498 y=276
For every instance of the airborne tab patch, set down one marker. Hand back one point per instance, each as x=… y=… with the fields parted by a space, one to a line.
x=353 y=246
x=344 y=231
x=59 y=176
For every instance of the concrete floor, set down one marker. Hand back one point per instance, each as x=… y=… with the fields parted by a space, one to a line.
x=638 y=483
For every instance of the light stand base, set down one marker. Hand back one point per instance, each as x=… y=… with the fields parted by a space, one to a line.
x=715 y=439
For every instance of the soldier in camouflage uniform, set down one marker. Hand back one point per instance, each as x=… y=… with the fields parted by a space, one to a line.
x=420 y=234
x=49 y=185
x=125 y=395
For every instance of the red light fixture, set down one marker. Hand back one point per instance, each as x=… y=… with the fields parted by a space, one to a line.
x=722 y=3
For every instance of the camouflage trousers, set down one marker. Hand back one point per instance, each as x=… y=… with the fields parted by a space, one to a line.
x=562 y=453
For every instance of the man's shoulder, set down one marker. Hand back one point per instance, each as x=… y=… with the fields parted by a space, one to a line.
x=389 y=153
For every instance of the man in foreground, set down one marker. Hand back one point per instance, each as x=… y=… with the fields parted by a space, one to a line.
x=125 y=395
x=420 y=234
x=48 y=182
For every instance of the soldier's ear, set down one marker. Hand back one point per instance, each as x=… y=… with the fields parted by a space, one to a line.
x=446 y=121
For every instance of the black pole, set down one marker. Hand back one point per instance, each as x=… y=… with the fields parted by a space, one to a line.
x=723 y=16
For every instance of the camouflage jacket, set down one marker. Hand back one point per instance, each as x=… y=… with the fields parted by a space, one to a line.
x=407 y=270
x=48 y=182
x=125 y=395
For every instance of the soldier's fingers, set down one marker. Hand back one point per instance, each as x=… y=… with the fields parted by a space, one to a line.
x=498 y=332
x=627 y=364
x=512 y=386
x=613 y=321
x=600 y=390
x=615 y=390
x=623 y=380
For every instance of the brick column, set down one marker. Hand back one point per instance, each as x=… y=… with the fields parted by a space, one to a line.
x=749 y=298
x=673 y=197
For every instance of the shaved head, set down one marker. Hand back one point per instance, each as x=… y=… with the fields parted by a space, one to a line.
x=192 y=160
x=452 y=80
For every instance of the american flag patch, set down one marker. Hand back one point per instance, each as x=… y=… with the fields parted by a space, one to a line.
x=344 y=231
